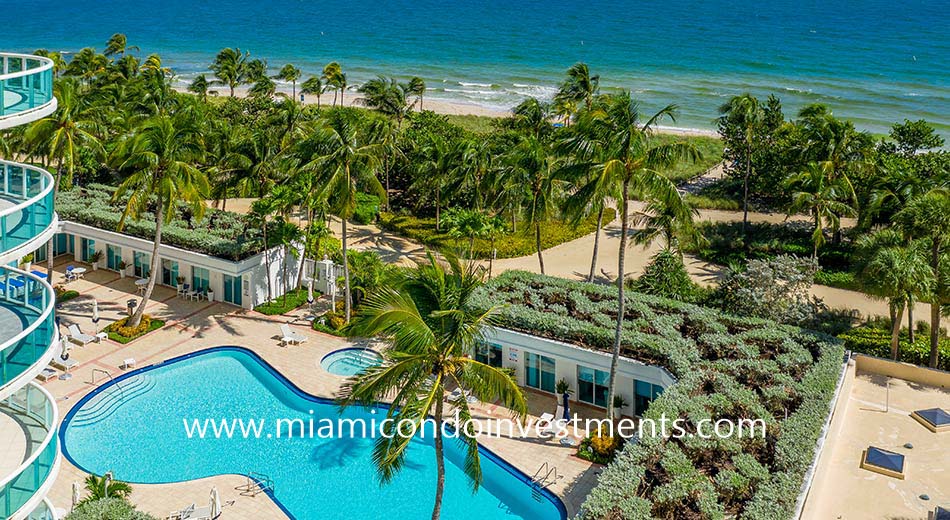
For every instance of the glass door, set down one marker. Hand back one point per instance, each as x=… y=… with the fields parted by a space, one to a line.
x=199 y=279
x=142 y=263
x=169 y=272
x=88 y=248
x=232 y=289
x=539 y=371
x=113 y=257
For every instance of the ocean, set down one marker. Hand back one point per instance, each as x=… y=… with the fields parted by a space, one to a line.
x=872 y=61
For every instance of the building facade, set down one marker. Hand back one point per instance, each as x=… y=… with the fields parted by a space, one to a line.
x=29 y=340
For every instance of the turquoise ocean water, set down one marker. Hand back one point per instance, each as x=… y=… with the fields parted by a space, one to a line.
x=873 y=61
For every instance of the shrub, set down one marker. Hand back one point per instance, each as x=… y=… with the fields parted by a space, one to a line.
x=876 y=341
x=283 y=304
x=666 y=276
x=599 y=447
x=710 y=202
x=63 y=294
x=775 y=289
x=108 y=509
x=119 y=332
x=367 y=209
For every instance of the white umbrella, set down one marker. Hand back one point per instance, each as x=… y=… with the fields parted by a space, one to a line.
x=215 y=503
x=310 y=291
x=95 y=314
x=75 y=494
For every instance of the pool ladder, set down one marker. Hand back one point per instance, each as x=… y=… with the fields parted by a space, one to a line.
x=546 y=475
x=256 y=484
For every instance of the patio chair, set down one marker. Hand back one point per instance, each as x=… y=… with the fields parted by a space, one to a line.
x=191 y=513
x=47 y=374
x=289 y=336
x=77 y=336
x=64 y=364
x=182 y=289
x=551 y=427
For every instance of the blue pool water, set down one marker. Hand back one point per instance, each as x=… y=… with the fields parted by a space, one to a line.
x=874 y=61
x=138 y=434
x=350 y=361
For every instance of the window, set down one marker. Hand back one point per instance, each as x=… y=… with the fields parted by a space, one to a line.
x=199 y=279
x=169 y=272
x=88 y=248
x=113 y=257
x=140 y=261
x=64 y=243
x=539 y=371
x=232 y=289
x=644 y=394
x=592 y=386
x=488 y=353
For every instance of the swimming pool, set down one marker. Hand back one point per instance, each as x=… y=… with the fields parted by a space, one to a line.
x=350 y=361
x=133 y=427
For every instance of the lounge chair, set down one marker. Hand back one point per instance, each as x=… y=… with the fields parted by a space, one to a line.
x=290 y=336
x=551 y=427
x=457 y=393
x=64 y=364
x=77 y=337
x=47 y=374
x=191 y=513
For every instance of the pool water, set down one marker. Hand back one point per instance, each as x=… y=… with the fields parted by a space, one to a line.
x=134 y=427
x=350 y=361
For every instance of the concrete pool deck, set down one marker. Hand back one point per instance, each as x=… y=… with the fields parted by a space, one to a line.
x=192 y=326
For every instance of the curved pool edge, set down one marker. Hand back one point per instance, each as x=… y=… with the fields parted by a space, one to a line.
x=484 y=451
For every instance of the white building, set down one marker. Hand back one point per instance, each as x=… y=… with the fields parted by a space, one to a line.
x=29 y=340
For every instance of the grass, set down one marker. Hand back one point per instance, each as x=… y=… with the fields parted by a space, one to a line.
x=512 y=245
x=473 y=123
x=708 y=202
x=154 y=324
x=709 y=147
x=283 y=304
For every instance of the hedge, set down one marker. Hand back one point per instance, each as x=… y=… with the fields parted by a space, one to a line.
x=285 y=303
x=118 y=332
x=511 y=245
x=218 y=233
x=875 y=341
x=108 y=509
x=726 y=367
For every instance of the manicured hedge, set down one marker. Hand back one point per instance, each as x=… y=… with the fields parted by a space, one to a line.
x=511 y=245
x=726 y=367
x=875 y=341
x=119 y=333
x=218 y=233
x=108 y=509
x=284 y=303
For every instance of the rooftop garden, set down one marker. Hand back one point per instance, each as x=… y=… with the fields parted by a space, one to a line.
x=217 y=233
x=727 y=368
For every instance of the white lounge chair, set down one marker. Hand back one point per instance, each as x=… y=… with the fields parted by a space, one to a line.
x=191 y=513
x=64 y=364
x=47 y=374
x=290 y=336
x=457 y=393
x=76 y=336
x=550 y=427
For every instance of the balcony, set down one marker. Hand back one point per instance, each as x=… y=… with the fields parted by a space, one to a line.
x=26 y=89
x=27 y=218
x=28 y=420
x=27 y=328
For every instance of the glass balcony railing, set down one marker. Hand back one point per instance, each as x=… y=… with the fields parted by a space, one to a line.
x=26 y=340
x=26 y=203
x=26 y=83
x=44 y=511
x=33 y=406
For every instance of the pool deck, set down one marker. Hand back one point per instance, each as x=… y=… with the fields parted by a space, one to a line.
x=192 y=326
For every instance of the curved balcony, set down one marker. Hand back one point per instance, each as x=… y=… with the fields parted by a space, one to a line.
x=27 y=328
x=26 y=89
x=23 y=489
x=27 y=217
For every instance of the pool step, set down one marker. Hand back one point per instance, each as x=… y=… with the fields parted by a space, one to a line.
x=106 y=403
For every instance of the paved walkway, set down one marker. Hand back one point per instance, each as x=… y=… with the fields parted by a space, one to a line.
x=193 y=326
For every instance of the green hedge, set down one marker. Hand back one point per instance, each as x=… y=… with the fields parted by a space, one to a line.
x=218 y=233
x=511 y=245
x=725 y=367
x=367 y=209
x=284 y=304
x=112 y=330
x=875 y=341
x=108 y=509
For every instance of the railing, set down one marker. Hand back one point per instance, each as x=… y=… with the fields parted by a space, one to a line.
x=28 y=191
x=26 y=83
x=31 y=299
x=44 y=511
x=33 y=476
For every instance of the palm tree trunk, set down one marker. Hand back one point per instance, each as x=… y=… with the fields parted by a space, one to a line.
x=537 y=244
x=935 y=304
x=438 y=205
x=270 y=288
x=155 y=266
x=745 y=189
x=303 y=256
x=346 y=272
x=911 y=335
x=491 y=257
x=593 y=257
x=439 y=462
x=896 y=332
x=386 y=169
x=621 y=304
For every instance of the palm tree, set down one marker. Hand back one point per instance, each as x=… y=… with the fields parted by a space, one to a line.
x=531 y=164
x=225 y=162
x=579 y=87
x=102 y=487
x=435 y=166
x=290 y=73
x=468 y=224
x=825 y=198
x=533 y=117
x=746 y=113
x=896 y=270
x=199 y=86
x=264 y=87
x=431 y=332
x=335 y=78
x=416 y=87
x=386 y=96
x=343 y=155
x=118 y=46
x=630 y=165
x=494 y=228
x=926 y=217
x=261 y=211
x=230 y=68
x=160 y=156
x=313 y=86
x=660 y=220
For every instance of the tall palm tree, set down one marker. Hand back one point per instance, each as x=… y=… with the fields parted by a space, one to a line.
x=533 y=117
x=342 y=153
x=313 y=86
x=745 y=112
x=292 y=74
x=199 y=86
x=416 y=87
x=431 y=332
x=159 y=157
x=662 y=221
x=926 y=217
x=894 y=269
x=386 y=96
x=825 y=198
x=531 y=164
x=580 y=87
x=225 y=162
x=436 y=167
x=466 y=223
x=230 y=68
x=631 y=165
x=335 y=78
x=261 y=211
x=118 y=45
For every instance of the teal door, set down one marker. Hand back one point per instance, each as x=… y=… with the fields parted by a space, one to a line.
x=88 y=249
x=232 y=289
x=169 y=272
x=113 y=257
x=142 y=264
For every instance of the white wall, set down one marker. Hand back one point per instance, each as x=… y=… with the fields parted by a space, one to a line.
x=567 y=357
